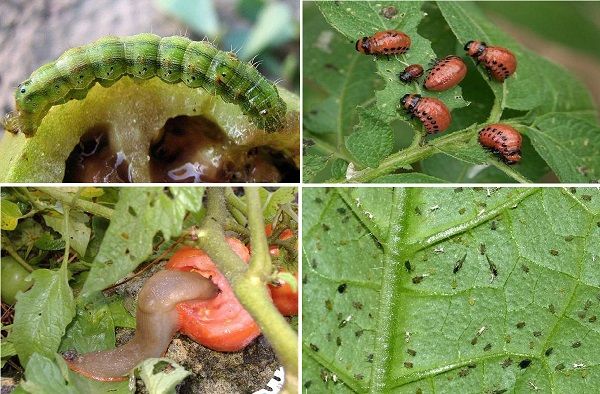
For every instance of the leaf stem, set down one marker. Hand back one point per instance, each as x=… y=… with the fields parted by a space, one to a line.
x=508 y=171
x=234 y=201
x=389 y=303
x=330 y=149
x=469 y=224
x=496 y=111
x=412 y=154
x=84 y=205
x=8 y=246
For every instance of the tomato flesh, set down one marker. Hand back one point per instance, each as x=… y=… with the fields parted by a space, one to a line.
x=221 y=323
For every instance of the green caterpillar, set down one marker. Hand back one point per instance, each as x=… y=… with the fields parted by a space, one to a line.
x=143 y=56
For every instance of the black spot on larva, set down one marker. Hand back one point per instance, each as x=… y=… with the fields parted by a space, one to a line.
x=576 y=344
x=342 y=288
x=408 y=266
x=520 y=324
x=549 y=351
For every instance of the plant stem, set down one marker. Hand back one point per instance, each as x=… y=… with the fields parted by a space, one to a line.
x=84 y=205
x=260 y=264
x=7 y=245
x=235 y=201
x=249 y=284
x=508 y=171
x=412 y=154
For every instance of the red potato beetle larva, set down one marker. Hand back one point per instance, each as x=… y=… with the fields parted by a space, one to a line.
x=503 y=140
x=411 y=73
x=432 y=112
x=446 y=73
x=389 y=42
x=499 y=62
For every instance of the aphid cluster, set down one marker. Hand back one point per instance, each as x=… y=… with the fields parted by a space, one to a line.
x=446 y=73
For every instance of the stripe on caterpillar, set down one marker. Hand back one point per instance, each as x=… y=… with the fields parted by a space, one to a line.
x=172 y=59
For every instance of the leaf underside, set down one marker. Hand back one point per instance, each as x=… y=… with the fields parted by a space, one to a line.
x=442 y=290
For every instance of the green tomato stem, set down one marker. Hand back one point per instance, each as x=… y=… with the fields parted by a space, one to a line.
x=84 y=205
x=249 y=284
x=7 y=245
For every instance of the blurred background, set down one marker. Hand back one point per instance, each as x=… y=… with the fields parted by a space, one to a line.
x=566 y=32
x=34 y=32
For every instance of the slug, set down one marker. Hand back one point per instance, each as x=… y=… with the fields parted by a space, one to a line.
x=157 y=323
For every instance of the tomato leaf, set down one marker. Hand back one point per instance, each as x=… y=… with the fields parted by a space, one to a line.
x=42 y=314
x=10 y=214
x=139 y=215
x=464 y=290
x=161 y=375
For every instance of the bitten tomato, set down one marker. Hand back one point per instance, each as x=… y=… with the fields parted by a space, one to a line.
x=284 y=296
x=221 y=323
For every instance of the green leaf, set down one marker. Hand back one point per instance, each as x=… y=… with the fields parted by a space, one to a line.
x=92 y=328
x=462 y=290
x=47 y=242
x=313 y=164
x=161 y=375
x=200 y=16
x=8 y=350
x=139 y=215
x=42 y=314
x=274 y=26
x=272 y=201
x=437 y=29
x=120 y=315
x=570 y=146
x=42 y=376
x=372 y=140
x=10 y=214
x=79 y=232
x=414 y=177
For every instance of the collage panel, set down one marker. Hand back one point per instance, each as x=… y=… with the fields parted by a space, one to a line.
x=157 y=91
x=154 y=289
x=458 y=92
x=450 y=290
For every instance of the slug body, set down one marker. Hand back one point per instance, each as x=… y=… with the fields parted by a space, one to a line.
x=432 y=112
x=389 y=42
x=198 y=64
x=503 y=140
x=445 y=74
x=499 y=62
x=411 y=73
x=157 y=321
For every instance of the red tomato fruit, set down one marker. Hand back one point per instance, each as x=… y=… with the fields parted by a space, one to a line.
x=222 y=323
x=285 y=298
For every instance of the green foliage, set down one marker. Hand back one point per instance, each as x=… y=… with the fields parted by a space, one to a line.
x=451 y=290
x=42 y=314
x=352 y=99
x=140 y=214
x=160 y=375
